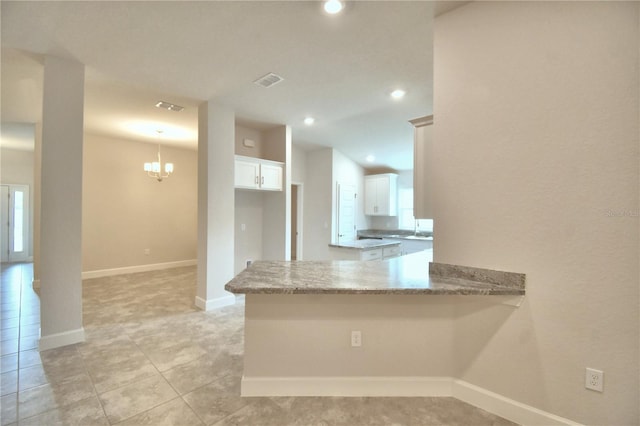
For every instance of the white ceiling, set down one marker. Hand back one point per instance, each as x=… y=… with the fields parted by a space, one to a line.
x=338 y=69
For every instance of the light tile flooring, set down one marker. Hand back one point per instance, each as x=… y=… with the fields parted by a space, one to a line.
x=151 y=358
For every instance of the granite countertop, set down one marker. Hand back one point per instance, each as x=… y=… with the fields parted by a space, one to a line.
x=366 y=244
x=410 y=274
x=395 y=234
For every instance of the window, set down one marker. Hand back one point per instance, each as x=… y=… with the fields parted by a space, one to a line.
x=405 y=213
x=18 y=218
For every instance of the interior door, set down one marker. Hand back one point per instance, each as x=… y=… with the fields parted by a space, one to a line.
x=346 y=213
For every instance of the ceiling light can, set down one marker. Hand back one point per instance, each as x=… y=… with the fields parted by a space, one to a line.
x=398 y=94
x=333 y=6
x=309 y=121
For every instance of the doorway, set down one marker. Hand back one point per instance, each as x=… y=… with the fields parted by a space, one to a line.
x=14 y=217
x=296 y=221
x=346 y=229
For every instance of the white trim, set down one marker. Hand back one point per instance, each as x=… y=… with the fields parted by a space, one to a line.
x=211 y=304
x=346 y=386
x=61 y=339
x=137 y=268
x=401 y=387
x=300 y=220
x=505 y=407
x=35 y=284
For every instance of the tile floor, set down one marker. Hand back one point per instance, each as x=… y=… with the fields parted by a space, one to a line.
x=151 y=358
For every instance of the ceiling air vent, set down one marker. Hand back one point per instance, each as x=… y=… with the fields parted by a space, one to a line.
x=268 y=80
x=169 y=106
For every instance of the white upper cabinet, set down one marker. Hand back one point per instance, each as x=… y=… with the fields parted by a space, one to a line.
x=270 y=176
x=423 y=167
x=259 y=174
x=381 y=195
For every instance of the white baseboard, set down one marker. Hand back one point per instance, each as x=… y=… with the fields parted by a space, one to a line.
x=138 y=268
x=505 y=407
x=219 y=302
x=61 y=339
x=35 y=284
x=401 y=387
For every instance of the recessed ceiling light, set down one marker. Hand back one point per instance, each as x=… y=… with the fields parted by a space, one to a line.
x=333 y=6
x=398 y=94
x=370 y=158
x=309 y=121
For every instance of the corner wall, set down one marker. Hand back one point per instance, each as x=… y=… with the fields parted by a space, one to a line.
x=536 y=140
x=318 y=205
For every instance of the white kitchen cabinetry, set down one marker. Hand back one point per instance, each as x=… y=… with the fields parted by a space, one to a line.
x=256 y=173
x=423 y=167
x=389 y=252
x=381 y=253
x=381 y=195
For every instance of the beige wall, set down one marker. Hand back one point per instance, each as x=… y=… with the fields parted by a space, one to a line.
x=309 y=336
x=126 y=212
x=249 y=209
x=243 y=133
x=536 y=146
x=17 y=167
x=298 y=165
x=317 y=205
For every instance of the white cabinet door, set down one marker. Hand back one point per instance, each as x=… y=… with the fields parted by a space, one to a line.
x=271 y=177
x=370 y=196
x=384 y=192
x=247 y=174
x=381 y=195
x=375 y=254
x=255 y=173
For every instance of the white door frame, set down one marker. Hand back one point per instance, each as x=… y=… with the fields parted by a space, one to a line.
x=8 y=229
x=299 y=219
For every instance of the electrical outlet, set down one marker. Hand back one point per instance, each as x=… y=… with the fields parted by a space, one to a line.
x=147 y=252
x=356 y=339
x=594 y=380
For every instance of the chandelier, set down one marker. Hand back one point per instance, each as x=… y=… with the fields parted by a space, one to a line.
x=155 y=169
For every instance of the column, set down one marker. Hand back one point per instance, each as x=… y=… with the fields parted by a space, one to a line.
x=216 y=199
x=61 y=204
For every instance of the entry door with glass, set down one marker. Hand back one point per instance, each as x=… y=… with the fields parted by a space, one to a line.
x=14 y=219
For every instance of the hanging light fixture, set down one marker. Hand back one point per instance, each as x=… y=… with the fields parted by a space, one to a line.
x=155 y=169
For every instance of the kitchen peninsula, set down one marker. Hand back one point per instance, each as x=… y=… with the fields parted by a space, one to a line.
x=373 y=249
x=300 y=320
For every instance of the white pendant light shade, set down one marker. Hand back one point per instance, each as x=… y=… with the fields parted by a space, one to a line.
x=168 y=168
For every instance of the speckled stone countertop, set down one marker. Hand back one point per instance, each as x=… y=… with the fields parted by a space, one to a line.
x=396 y=234
x=366 y=244
x=408 y=274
